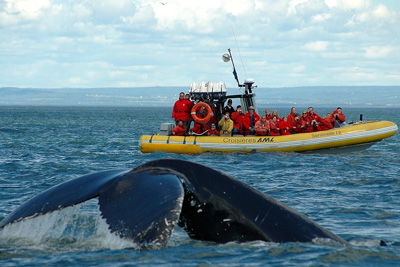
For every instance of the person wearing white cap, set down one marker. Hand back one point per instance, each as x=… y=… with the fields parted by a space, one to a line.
x=213 y=130
x=250 y=120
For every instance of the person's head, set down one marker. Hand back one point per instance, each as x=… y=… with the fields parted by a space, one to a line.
x=285 y=118
x=293 y=110
x=187 y=96
x=267 y=112
x=213 y=126
x=239 y=108
x=304 y=114
x=229 y=102
x=251 y=109
x=226 y=115
x=181 y=95
x=180 y=122
x=275 y=113
x=263 y=118
x=339 y=110
x=274 y=118
x=310 y=109
x=328 y=115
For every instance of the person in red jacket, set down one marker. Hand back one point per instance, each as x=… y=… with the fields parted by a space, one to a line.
x=181 y=110
x=284 y=126
x=315 y=120
x=339 y=116
x=250 y=120
x=273 y=127
x=180 y=129
x=238 y=117
x=262 y=126
x=213 y=131
x=304 y=122
x=268 y=114
x=295 y=124
x=292 y=115
x=275 y=113
x=327 y=122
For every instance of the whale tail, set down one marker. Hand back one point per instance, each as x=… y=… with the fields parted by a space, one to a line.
x=145 y=204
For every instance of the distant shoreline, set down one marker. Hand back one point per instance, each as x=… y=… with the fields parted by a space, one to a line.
x=318 y=96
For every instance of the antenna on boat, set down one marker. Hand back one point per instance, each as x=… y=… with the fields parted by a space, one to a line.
x=240 y=55
x=228 y=57
x=248 y=98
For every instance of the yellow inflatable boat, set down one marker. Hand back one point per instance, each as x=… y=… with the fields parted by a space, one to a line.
x=354 y=135
x=357 y=134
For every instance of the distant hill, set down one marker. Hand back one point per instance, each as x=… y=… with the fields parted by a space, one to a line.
x=346 y=96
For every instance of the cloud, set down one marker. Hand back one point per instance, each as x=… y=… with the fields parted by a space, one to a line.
x=378 y=51
x=54 y=43
x=316 y=46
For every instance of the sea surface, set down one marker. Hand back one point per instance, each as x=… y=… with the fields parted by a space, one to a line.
x=356 y=195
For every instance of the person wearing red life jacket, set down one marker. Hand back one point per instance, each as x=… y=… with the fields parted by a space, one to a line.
x=180 y=129
x=284 y=126
x=327 y=122
x=293 y=123
x=273 y=127
x=305 y=123
x=339 y=116
x=213 y=131
x=268 y=114
x=181 y=110
x=292 y=115
x=275 y=113
x=250 y=120
x=238 y=117
x=262 y=126
x=315 y=120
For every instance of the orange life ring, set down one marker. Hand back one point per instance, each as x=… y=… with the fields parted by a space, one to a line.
x=197 y=108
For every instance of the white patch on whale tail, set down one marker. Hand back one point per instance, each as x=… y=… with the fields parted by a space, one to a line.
x=81 y=226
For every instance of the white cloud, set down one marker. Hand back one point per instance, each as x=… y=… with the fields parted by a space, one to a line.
x=112 y=43
x=316 y=46
x=378 y=51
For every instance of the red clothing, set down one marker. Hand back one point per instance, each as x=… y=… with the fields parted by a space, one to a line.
x=247 y=122
x=269 y=117
x=273 y=128
x=213 y=132
x=314 y=116
x=199 y=128
x=327 y=124
x=304 y=124
x=261 y=129
x=295 y=126
x=181 y=110
x=290 y=118
x=284 y=127
x=238 y=120
x=314 y=127
x=341 y=118
x=179 y=130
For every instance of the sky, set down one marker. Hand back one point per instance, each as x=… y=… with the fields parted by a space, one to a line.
x=144 y=43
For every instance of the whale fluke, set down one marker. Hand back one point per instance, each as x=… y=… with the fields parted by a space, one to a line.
x=144 y=205
x=233 y=211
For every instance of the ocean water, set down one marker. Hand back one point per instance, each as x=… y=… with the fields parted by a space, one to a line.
x=356 y=195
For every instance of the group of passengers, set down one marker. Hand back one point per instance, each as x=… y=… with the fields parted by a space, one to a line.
x=235 y=122
x=309 y=121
